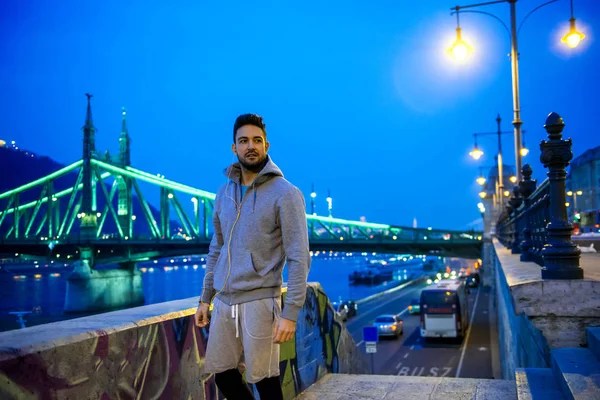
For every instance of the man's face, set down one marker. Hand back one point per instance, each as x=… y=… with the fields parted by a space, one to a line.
x=250 y=146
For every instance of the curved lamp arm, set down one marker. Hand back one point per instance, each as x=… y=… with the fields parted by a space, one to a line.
x=531 y=12
x=488 y=14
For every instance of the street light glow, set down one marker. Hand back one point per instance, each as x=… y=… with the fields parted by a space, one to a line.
x=579 y=192
x=460 y=49
x=482 y=195
x=524 y=151
x=481 y=180
x=476 y=153
x=513 y=179
x=573 y=37
x=506 y=193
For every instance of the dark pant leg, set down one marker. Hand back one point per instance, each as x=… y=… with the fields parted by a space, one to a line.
x=231 y=384
x=270 y=388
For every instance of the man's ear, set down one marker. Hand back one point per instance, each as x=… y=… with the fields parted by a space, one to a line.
x=267 y=145
x=233 y=149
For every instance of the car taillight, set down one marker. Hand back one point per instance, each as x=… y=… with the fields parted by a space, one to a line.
x=410 y=308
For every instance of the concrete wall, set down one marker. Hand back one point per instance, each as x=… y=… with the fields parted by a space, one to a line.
x=535 y=316
x=157 y=352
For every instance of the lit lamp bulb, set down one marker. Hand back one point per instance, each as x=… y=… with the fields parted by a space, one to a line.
x=460 y=49
x=481 y=180
x=573 y=37
x=506 y=193
x=524 y=151
x=513 y=179
x=482 y=195
x=476 y=153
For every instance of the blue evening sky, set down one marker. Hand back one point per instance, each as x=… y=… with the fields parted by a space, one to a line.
x=359 y=96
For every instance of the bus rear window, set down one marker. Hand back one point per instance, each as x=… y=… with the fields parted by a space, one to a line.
x=438 y=301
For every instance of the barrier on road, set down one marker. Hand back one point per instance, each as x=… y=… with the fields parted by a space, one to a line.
x=392 y=290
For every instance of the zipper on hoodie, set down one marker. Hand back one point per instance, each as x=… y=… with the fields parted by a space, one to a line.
x=239 y=214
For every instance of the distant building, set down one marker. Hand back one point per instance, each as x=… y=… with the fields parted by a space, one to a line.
x=584 y=175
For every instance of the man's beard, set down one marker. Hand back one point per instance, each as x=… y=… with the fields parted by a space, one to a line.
x=255 y=166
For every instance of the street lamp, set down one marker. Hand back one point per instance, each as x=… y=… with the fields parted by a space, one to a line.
x=574 y=194
x=478 y=155
x=329 y=202
x=524 y=150
x=313 y=194
x=573 y=37
x=460 y=49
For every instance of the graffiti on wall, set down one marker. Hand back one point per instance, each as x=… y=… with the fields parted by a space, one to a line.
x=163 y=360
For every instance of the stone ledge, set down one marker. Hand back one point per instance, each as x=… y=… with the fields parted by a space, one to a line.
x=387 y=387
x=549 y=298
x=20 y=342
x=537 y=383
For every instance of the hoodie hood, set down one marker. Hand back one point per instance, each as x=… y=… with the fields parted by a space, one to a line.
x=234 y=172
x=269 y=171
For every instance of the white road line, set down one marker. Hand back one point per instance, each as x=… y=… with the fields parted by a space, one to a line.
x=412 y=347
x=403 y=311
x=398 y=366
x=462 y=356
x=359 y=343
x=406 y=355
x=372 y=310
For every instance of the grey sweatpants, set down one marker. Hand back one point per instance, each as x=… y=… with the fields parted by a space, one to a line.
x=241 y=336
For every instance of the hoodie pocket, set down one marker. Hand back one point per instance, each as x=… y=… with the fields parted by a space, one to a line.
x=244 y=275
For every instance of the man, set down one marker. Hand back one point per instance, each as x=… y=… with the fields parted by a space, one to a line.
x=259 y=221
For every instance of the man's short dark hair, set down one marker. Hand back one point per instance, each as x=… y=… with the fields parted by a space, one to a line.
x=249 y=119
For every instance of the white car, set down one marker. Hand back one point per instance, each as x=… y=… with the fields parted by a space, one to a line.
x=389 y=325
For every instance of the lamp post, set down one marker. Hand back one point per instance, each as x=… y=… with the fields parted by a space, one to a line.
x=313 y=194
x=329 y=202
x=476 y=153
x=481 y=179
x=460 y=50
x=574 y=194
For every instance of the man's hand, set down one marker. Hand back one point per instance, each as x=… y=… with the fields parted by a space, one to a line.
x=284 y=330
x=201 y=317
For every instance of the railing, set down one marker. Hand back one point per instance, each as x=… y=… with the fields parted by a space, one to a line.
x=534 y=223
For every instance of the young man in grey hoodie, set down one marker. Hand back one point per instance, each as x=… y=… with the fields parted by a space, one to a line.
x=259 y=222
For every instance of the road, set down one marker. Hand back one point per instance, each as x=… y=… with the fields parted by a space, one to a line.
x=410 y=355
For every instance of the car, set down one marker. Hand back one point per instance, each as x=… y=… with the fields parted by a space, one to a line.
x=345 y=309
x=415 y=306
x=473 y=280
x=388 y=325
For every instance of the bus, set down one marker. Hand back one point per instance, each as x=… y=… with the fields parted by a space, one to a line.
x=444 y=310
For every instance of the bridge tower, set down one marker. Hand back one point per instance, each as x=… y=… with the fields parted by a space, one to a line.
x=125 y=200
x=89 y=221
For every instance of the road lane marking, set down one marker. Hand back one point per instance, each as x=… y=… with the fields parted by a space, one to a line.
x=359 y=343
x=462 y=355
x=412 y=347
x=371 y=310
x=406 y=355
x=398 y=366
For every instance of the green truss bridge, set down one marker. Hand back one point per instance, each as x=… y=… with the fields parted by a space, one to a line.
x=101 y=207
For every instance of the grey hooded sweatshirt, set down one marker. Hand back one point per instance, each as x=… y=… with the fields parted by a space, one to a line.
x=253 y=237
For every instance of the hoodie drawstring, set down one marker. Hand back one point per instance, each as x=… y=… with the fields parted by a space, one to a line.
x=254 y=191
x=235 y=313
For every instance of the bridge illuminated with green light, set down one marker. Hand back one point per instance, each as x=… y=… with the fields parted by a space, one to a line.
x=100 y=203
